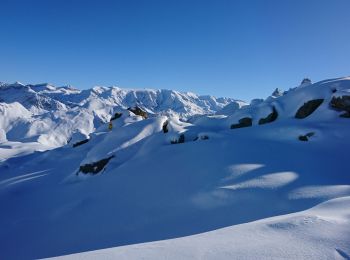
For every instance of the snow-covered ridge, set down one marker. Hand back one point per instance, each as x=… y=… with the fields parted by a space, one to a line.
x=51 y=115
x=160 y=178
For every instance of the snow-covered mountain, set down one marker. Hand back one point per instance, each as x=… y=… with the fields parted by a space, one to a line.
x=51 y=115
x=265 y=180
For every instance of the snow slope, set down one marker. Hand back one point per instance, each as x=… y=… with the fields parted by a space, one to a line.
x=154 y=187
x=318 y=233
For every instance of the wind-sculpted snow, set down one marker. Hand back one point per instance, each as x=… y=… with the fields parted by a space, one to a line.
x=136 y=183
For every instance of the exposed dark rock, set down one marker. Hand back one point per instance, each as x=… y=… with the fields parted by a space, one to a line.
x=308 y=108
x=341 y=103
x=165 y=127
x=346 y=115
x=95 y=167
x=180 y=140
x=80 y=142
x=270 y=118
x=306 y=137
x=116 y=116
x=243 y=122
x=138 y=111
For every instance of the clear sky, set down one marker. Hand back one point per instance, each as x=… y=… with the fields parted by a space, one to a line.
x=242 y=49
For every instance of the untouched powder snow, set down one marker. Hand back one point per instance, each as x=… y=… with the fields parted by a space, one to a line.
x=318 y=233
x=198 y=188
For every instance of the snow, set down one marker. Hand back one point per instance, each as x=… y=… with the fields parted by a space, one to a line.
x=237 y=193
x=51 y=115
x=317 y=233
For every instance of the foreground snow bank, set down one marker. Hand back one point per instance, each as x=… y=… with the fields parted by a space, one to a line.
x=321 y=232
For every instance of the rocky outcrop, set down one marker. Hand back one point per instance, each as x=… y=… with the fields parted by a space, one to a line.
x=165 y=127
x=95 y=167
x=341 y=103
x=138 y=111
x=243 y=122
x=180 y=140
x=116 y=116
x=308 y=108
x=305 y=137
x=270 y=118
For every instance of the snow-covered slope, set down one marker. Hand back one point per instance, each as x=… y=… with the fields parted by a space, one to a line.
x=161 y=178
x=51 y=115
x=318 y=233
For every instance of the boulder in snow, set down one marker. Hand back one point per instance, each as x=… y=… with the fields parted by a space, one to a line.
x=138 y=111
x=308 y=108
x=306 y=137
x=94 y=167
x=180 y=140
x=243 y=122
x=270 y=118
x=341 y=103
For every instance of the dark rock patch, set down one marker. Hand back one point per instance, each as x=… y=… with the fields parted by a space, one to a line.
x=346 y=115
x=180 y=140
x=308 y=108
x=138 y=111
x=243 y=122
x=341 y=103
x=80 y=142
x=95 y=167
x=165 y=127
x=270 y=118
x=116 y=116
x=305 y=137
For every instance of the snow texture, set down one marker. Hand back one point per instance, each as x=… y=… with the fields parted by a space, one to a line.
x=253 y=192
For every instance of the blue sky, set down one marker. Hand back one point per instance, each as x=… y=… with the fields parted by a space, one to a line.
x=241 y=49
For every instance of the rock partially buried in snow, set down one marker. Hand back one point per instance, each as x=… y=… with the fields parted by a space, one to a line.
x=94 y=167
x=308 y=108
x=180 y=140
x=138 y=111
x=116 y=116
x=306 y=137
x=270 y=118
x=341 y=103
x=243 y=122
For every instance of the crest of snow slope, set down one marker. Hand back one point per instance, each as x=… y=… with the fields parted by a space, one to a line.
x=153 y=190
x=51 y=115
x=317 y=233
